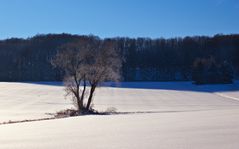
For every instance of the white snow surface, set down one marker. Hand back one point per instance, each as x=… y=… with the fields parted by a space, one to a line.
x=155 y=115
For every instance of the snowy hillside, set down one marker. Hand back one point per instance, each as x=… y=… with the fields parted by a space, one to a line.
x=154 y=115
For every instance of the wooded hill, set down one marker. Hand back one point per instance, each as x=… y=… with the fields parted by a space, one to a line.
x=144 y=59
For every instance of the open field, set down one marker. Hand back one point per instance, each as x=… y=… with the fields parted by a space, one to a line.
x=154 y=115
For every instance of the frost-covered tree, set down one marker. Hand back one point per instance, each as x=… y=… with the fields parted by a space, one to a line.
x=103 y=64
x=70 y=59
x=88 y=61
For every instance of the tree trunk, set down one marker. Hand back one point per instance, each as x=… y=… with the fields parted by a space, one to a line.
x=77 y=94
x=79 y=102
x=92 y=90
x=83 y=92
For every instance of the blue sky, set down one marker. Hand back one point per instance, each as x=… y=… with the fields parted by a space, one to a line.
x=111 y=18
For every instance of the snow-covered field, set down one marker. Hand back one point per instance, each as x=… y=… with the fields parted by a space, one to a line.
x=163 y=115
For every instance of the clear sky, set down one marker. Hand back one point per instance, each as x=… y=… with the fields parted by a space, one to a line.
x=110 y=18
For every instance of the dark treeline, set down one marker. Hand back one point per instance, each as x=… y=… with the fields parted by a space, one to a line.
x=144 y=59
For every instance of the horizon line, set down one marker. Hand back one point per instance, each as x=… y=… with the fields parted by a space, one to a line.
x=160 y=37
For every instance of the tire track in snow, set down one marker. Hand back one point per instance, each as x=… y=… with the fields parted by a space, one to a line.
x=227 y=96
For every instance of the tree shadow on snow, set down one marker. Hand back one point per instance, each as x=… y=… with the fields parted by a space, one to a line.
x=176 y=86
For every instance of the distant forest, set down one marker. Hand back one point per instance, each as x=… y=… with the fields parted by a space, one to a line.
x=144 y=59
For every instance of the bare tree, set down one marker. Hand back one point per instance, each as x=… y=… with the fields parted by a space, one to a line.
x=91 y=61
x=105 y=65
x=70 y=58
